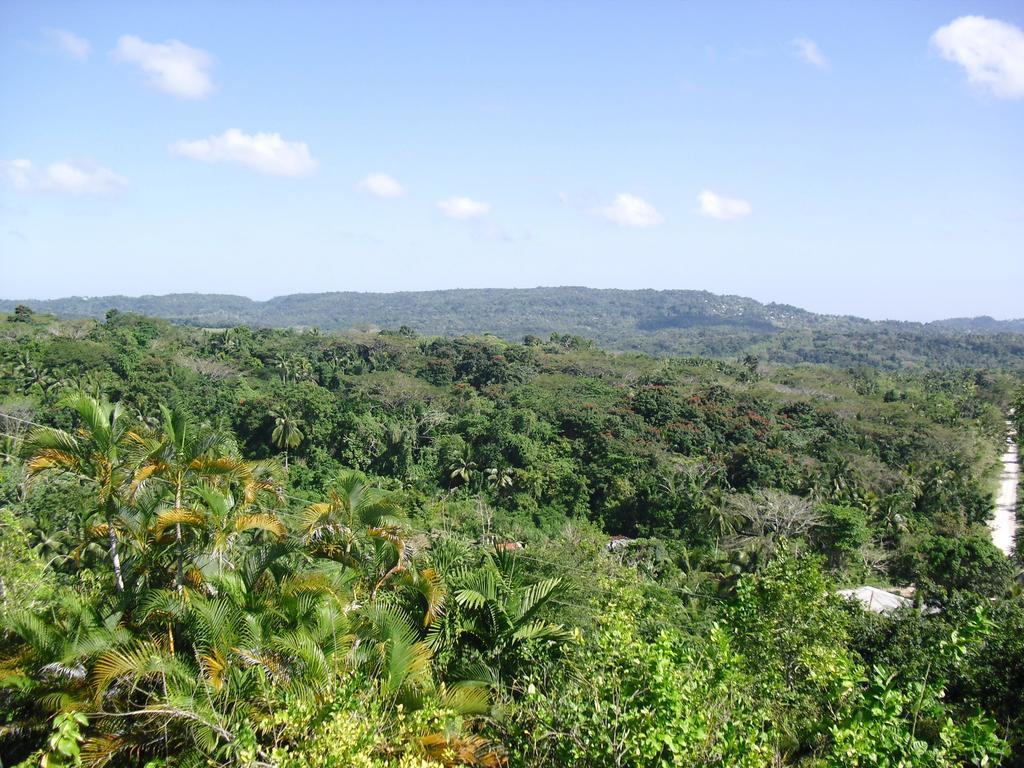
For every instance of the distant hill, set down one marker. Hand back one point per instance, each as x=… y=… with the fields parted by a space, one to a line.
x=501 y=311
x=662 y=322
x=983 y=324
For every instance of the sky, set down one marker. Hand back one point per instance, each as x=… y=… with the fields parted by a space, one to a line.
x=858 y=158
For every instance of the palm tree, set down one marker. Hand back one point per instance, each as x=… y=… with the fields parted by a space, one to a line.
x=720 y=519
x=286 y=434
x=57 y=644
x=359 y=527
x=183 y=455
x=284 y=365
x=499 y=479
x=95 y=454
x=262 y=626
x=497 y=613
x=35 y=378
x=463 y=466
x=225 y=521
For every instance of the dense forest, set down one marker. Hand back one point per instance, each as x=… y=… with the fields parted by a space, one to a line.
x=263 y=547
x=688 y=323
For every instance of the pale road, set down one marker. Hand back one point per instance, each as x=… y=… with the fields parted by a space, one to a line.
x=1004 y=520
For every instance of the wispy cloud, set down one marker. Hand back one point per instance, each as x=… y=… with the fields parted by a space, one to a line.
x=69 y=43
x=631 y=211
x=991 y=51
x=78 y=179
x=809 y=51
x=722 y=208
x=463 y=208
x=264 y=152
x=382 y=185
x=172 y=67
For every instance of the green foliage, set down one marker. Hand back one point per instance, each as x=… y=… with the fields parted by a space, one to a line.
x=21 y=314
x=881 y=731
x=944 y=565
x=25 y=581
x=892 y=725
x=625 y=699
x=64 y=745
x=843 y=532
x=432 y=581
x=792 y=633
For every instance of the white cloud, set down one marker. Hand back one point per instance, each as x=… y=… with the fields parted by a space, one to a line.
x=74 y=46
x=463 y=208
x=991 y=51
x=631 y=211
x=172 y=66
x=382 y=185
x=722 y=208
x=263 y=152
x=79 y=179
x=809 y=51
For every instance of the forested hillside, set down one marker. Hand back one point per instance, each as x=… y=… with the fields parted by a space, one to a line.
x=658 y=322
x=260 y=547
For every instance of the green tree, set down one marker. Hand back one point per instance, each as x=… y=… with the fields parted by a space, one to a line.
x=96 y=454
x=287 y=433
x=462 y=467
x=183 y=455
x=791 y=630
x=22 y=314
x=24 y=579
x=842 y=533
x=498 y=614
x=623 y=697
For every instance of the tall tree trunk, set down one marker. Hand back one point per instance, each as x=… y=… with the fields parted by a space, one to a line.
x=179 y=576
x=115 y=559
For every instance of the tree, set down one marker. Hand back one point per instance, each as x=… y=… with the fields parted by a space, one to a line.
x=791 y=630
x=24 y=577
x=499 y=479
x=498 y=614
x=463 y=466
x=287 y=434
x=844 y=530
x=96 y=455
x=768 y=519
x=22 y=314
x=184 y=455
x=624 y=698
x=359 y=526
x=225 y=520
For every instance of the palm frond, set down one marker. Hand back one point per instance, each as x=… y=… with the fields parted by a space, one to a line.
x=46 y=459
x=535 y=596
x=214 y=665
x=466 y=698
x=140 y=660
x=193 y=518
x=477 y=590
x=144 y=474
x=431 y=587
x=540 y=630
x=261 y=521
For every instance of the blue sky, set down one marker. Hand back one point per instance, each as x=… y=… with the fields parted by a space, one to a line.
x=861 y=158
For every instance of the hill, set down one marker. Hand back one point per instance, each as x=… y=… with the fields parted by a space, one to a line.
x=680 y=322
x=514 y=312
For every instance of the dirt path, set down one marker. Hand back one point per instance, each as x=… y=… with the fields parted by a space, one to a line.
x=1004 y=520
